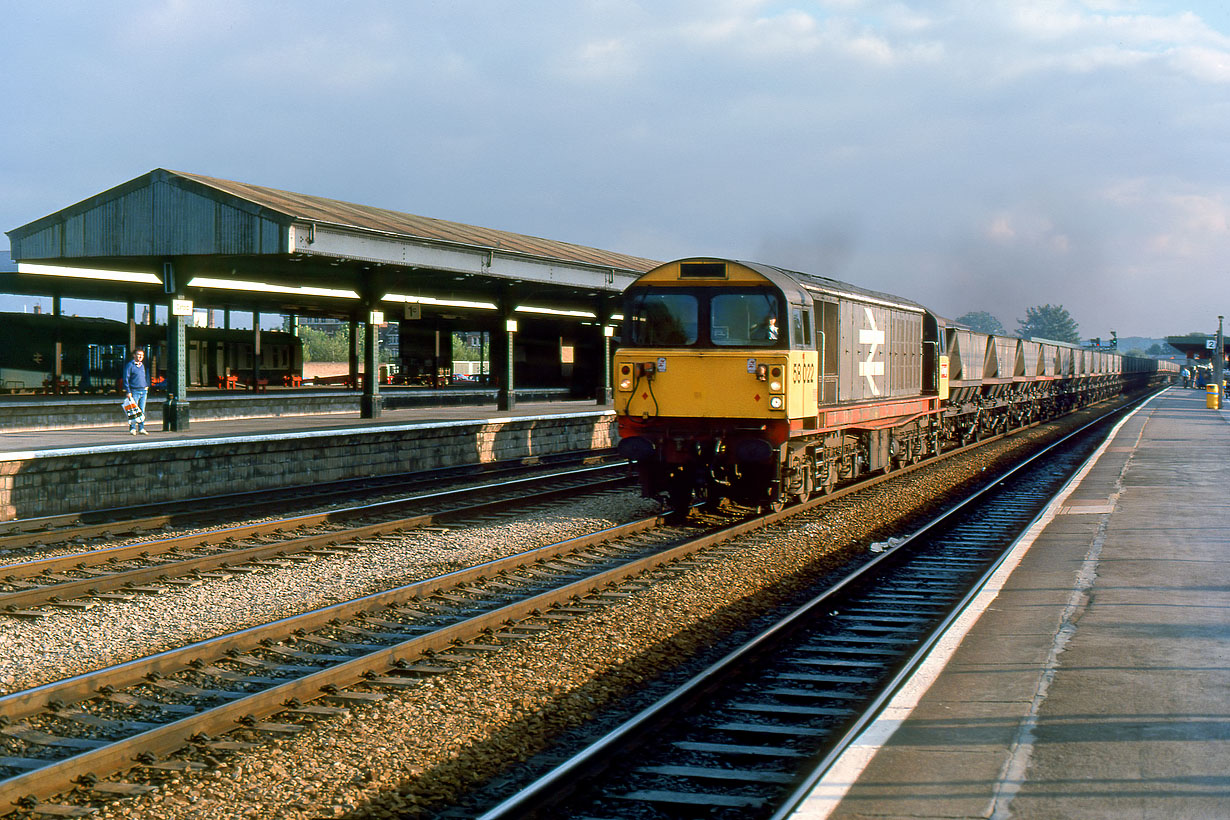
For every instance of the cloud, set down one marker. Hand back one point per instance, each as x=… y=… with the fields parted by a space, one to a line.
x=946 y=151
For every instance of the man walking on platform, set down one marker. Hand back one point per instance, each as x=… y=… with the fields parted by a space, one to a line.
x=136 y=387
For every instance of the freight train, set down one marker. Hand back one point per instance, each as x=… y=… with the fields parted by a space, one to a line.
x=751 y=382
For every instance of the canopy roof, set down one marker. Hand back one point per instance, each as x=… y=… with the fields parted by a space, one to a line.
x=233 y=244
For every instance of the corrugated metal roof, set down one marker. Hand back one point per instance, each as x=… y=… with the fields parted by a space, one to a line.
x=368 y=218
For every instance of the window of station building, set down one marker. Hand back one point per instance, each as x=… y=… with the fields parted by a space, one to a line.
x=662 y=319
x=746 y=318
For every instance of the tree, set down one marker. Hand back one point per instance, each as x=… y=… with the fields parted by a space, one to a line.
x=982 y=322
x=1049 y=322
x=319 y=346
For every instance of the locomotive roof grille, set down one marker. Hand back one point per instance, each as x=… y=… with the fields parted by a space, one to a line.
x=702 y=270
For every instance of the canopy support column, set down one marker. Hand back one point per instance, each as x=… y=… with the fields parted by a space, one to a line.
x=370 y=401
x=506 y=397
x=175 y=408
x=605 y=393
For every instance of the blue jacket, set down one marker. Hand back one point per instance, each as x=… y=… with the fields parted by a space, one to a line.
x=135 y=377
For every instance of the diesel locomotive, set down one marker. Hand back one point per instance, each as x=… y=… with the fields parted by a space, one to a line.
x=751 y=382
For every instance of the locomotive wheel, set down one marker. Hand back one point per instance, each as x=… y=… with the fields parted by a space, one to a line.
x=776 y=502
x=680 y=498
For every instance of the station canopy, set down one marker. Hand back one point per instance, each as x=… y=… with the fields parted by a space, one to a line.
x=1196 y=345
x=233 y=245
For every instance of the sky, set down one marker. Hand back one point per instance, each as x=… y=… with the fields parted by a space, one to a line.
x=971 y=155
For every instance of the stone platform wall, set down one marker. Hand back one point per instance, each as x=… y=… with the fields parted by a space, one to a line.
x=85 y=479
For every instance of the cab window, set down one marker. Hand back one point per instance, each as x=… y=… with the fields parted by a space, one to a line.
x=751 y=318
x=663 y=319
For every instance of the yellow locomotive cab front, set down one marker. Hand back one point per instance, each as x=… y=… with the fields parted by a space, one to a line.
x=704 y=384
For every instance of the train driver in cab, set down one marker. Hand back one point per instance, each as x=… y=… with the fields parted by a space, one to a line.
x=766 y=330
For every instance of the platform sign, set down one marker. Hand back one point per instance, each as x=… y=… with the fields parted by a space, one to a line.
x=1210 y=344
x=181 y=307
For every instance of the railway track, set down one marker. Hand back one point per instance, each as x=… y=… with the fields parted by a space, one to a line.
x=748 y=736
x=268 y=680
x=85 y=579
x=78 y=732
x=81 y=580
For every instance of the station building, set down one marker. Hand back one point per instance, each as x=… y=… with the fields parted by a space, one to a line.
x=543 y=311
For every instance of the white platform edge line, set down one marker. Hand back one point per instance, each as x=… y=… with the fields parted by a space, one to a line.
x=27 y=455
x=830 y=790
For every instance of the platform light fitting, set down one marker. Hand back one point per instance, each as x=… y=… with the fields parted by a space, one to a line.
x=87 y=273
x=265 y=287
x=583 y=314
x=427 y=300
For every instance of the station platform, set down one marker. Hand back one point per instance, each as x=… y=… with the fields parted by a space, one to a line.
x=82 y=469
x=1092 y=678
x=115 y=434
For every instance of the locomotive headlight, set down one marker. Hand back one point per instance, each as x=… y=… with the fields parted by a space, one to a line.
x=625 y=384
x=776 y=386
x=776 y=402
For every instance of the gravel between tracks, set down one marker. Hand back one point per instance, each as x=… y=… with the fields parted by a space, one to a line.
x=422 y=750
x=67 y=643
x=425 y=749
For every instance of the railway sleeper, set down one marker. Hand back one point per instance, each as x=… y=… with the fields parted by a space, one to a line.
x=356 y=698
x=711 y=773
x=272 y=727
x=36 y=807
x=693 y=799
x=122 y=789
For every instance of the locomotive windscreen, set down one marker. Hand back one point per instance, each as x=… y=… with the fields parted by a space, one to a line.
x=722 y=317
x=662 y=319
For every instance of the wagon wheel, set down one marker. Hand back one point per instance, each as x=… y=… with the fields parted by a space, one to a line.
x=807 y=485
x=827 y=481
x=894 y=458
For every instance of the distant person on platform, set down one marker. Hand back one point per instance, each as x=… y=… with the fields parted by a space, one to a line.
x=136 y=387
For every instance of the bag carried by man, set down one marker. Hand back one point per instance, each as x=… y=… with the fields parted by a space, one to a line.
x=133 y=411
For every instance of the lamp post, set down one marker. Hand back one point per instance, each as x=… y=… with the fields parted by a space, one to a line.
x=1219 y=360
